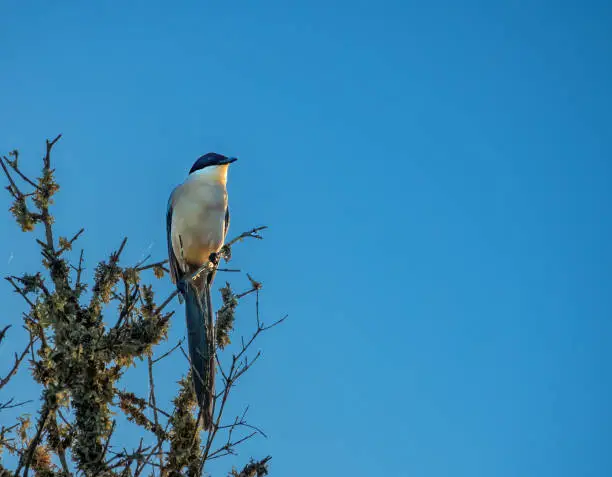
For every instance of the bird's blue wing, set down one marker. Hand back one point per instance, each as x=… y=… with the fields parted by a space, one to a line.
x=175 y=272
x=227 y=222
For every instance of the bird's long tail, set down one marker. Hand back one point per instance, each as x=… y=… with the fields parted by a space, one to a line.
x=201 y=337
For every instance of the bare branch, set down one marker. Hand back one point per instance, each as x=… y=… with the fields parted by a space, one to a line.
x=68 y=244
x=130 y=302
x=167 y=353
x=108 y=440
x=152 y=265
x=3 y=332
x=26 y=459
x=46 y=216
x=10 y=405
x=13 y=189
x=79 y=269
x=253 y=233
x=18 y=360
x=228 y=448
x=166 y=301
x=153 y=402
x=11 y=280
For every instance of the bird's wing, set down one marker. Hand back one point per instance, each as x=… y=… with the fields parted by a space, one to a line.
x=226 y=223
x=173 y=265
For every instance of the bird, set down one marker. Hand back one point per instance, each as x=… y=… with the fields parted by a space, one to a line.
x=197 y=222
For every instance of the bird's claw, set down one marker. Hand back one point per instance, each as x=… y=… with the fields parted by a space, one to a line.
x=214 y=258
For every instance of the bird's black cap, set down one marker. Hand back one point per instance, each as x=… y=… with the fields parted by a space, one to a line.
x=211 y=159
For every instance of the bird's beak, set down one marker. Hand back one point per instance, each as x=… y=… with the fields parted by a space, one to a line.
x=229 y=160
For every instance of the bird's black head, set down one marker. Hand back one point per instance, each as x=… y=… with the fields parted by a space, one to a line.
x=211 y=159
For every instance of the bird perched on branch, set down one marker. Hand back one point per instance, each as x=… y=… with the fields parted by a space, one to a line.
x=197 y=221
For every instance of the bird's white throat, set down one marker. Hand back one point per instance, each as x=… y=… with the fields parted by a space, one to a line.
x=212 y=174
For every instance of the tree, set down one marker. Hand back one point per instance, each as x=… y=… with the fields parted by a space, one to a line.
x=78 y=355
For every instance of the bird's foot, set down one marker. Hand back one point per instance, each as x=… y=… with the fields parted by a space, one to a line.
x=214 y=258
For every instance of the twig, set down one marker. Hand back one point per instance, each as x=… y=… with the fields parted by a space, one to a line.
x=105 y=450
x=46 y=217
x=20 y=291
x=240 y=421
x=140 y=464
x=71 y=241
x=152 y=265
x=50 y=145
x=130 y=302
x=247 y=425
x=62 y=457
x=228 y=447
x=115 y=255
x=248 y=292
x=277 y=322
x=153 y=402
x=253 y=233
x=166 y=301
x=139 y=263
x=80 y=269
x=59 y=413
x=34 y=442
x=18 y=360
x=15 y=168
x=59 y=449
x=14 y=190
x=255 y=468
x=237 y=369
x=3 y=332
x=9 y=404
x=167 y=353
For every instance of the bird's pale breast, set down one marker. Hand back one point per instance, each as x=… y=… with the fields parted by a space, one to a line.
x=198 y=221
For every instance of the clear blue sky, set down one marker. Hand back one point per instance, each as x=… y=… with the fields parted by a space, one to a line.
x=437 y=178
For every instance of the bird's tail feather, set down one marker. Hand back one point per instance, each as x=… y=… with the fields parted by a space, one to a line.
x=211 y=340
x=200 y=334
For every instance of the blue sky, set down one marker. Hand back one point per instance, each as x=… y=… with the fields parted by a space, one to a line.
x=437 y=178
